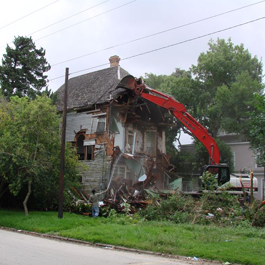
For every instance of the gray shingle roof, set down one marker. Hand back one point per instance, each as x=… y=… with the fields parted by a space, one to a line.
x=92 y=88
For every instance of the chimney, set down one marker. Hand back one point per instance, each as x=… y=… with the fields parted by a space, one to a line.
x=114 y=60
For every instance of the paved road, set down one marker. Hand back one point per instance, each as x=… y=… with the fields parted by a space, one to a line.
x=21 y=249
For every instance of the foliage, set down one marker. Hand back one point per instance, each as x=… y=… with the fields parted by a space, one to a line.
x=80 y=208
x=154 y=81
x=219 y=90
x=30 y=149
x=202 y=156
x=189 y=163
x=23 y=68
x=209 y=182
x=222 y=209
x=229 y=76
x=258 y=218
x=176 y=208
x=257 y=129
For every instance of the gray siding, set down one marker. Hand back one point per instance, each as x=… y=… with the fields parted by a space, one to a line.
x=97 y=174
x=75 y=122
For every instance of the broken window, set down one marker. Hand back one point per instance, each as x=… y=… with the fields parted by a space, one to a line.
x=101 y=125
x=113 y=125
x=150 y=143
x=130 y=141
x=85 y=148
x=98 y=123
x=80 y=147
x=89 y=149
x=90 y=152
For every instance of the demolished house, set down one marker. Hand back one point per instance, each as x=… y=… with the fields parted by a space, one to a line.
x=120 y=138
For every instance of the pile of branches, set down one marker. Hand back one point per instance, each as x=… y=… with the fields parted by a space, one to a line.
x=221 y=209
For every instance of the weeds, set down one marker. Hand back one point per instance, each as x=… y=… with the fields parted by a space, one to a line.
x=221 y=209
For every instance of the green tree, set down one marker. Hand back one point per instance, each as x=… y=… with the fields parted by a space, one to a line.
x=202 y=156
x=218 y=91
x=257 y=129
x=193 y=162
x=23 y=69
x=30 y=147
x=154 y=81
x=228 y=76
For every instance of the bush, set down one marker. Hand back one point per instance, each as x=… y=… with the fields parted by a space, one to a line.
x=80 y=208
x=176 y=208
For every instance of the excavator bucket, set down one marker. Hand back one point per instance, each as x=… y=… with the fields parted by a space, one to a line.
x=128 y=82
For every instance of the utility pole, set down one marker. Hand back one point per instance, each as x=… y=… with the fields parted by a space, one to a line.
x=60 y=206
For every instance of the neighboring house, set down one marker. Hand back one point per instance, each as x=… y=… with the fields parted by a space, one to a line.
x=116 y=135
x=244 y=159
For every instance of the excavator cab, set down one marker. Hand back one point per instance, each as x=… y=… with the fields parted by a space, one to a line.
x=221 y=172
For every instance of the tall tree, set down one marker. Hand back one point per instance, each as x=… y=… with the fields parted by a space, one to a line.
x=30 y=147
x=154 y=81
x=228 y=76
x=23 y=69
x=218 y=91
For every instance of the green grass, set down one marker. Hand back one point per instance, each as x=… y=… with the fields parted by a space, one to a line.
x=235 y=245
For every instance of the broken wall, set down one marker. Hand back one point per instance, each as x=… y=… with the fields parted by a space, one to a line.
x=141 y=143
x=95 y=174
x=112 y=145
x=87 y=131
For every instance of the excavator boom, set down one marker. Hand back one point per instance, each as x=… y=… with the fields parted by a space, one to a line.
x=137 y=87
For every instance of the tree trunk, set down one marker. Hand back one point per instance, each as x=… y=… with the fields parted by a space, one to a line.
x=216 y=128
x=27 y=197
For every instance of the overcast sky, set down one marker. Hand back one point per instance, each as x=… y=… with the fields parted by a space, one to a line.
x=89 y=26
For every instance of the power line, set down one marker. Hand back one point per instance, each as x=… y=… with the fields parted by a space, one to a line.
x=87 y=19
x=169 y=46
x=80 y=71
x=28 y=14
x=158 y=33
x=59 y=22
x=67 y=18
x=79 y=22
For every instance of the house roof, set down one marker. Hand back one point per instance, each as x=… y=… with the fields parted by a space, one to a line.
x=92 y=88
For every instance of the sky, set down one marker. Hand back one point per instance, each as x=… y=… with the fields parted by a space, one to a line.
x=150 y=36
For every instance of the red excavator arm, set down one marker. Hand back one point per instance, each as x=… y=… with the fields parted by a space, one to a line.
x=177 y=109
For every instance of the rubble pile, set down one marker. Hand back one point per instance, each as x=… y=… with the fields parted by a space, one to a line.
x=122 y=192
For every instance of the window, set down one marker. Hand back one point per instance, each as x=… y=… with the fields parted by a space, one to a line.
x=130 y=141
x=98 y=124
x=80 y=147
x=120 y=171
x=90 y=152
x=85 y=148
x=150 y=143
x=101 y=125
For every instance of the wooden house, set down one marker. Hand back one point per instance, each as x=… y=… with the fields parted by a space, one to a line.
x=116 y=136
